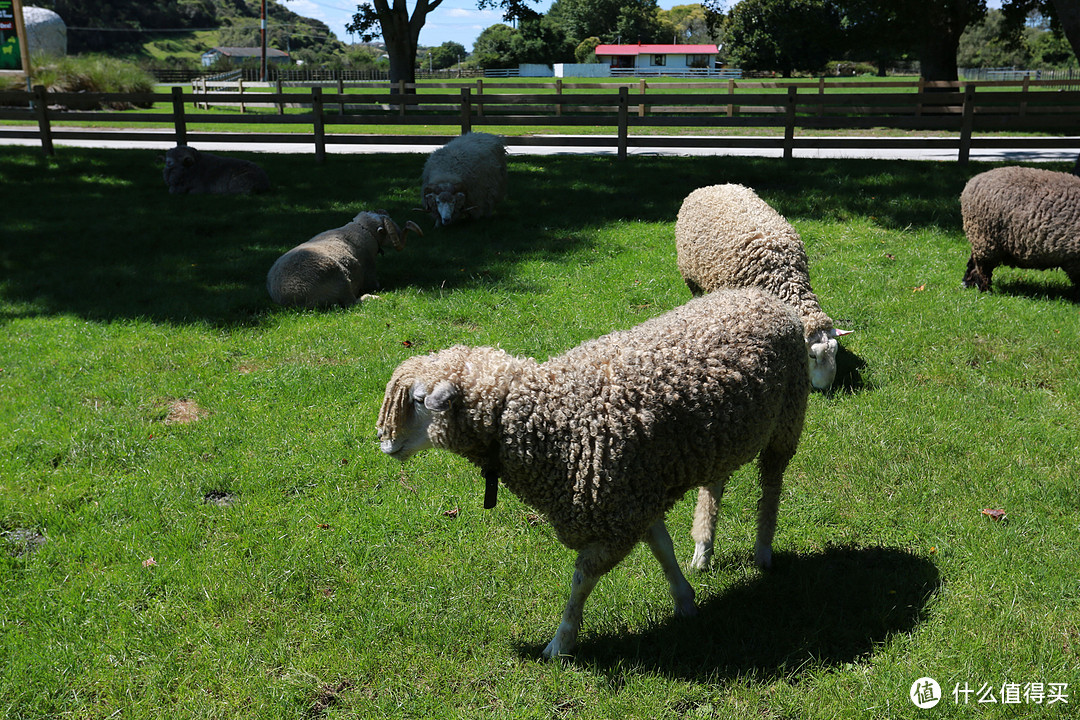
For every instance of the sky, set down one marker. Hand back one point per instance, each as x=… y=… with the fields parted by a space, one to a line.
x=455 y=20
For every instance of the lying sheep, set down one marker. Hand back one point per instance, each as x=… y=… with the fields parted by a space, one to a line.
x=606 y=438
x=189 y=171
x=726 y=237
x=336 y=267
x=466 y=177
x=1021 y=217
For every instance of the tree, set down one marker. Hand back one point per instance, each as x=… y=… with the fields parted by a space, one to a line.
x=401 y=31
x=1064 y=17
x=784 y=35
x=539 y=40
x=627 y=21
x=585 y=52
x=493 y=47
x=686 y=24
x=447 y=54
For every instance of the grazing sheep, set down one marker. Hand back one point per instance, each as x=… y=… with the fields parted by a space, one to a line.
x=189 y=171
x=466 y=177
x=336 y=267
x=728 y=237
x=607 y=437
x=1021 y=217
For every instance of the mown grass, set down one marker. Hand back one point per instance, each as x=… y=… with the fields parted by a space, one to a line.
x=197 y=522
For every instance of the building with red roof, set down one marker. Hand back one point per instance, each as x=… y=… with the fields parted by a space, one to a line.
x=658 y=58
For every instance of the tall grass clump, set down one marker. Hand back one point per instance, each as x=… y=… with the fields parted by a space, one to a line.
x=92 y=74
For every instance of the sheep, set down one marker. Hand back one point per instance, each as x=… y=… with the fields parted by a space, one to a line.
x=1021 y=217
x=188 y=170
x=606 y=438
x=726 y=236
x=466 y=177
x=336 y=267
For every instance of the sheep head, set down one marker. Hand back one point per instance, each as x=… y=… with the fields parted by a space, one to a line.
x=445 y=203
x=822 y=348
x=451 y=399
x=178 y=161
x=385 y=230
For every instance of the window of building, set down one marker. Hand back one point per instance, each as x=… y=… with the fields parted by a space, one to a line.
x=659 y=60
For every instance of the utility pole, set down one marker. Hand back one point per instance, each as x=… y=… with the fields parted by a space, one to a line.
x=262 y=37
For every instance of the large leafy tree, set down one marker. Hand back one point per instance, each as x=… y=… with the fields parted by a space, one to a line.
x=626 y=21
x=400 y=28
x=784 y=35
x=1064 y=16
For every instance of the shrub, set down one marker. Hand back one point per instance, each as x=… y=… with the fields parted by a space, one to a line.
x=93 y=74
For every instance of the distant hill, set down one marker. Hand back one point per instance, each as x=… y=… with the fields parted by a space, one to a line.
x=131 y=27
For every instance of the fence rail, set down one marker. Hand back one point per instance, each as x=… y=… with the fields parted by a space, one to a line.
x=324 y=118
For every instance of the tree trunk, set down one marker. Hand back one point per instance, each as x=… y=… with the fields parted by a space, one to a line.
x=401 y=35
x=1068 y=12
x=937 y=60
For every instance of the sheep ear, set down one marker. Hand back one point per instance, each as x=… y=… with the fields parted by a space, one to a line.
x=441 y=395
x=837 y=332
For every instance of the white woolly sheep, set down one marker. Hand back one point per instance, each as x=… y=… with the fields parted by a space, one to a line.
x=466 y=177
x=1021 y=217
x=728 y=237
x=607 y=437
x=188 y=170
x=336 y=267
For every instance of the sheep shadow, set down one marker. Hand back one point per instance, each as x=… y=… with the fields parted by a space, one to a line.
x=849 y=379
x=1034 y=290
x=823 y=609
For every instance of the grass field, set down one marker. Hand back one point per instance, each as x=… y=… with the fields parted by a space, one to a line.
x=197 y=522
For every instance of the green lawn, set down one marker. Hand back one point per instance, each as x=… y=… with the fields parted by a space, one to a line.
x=197 y=522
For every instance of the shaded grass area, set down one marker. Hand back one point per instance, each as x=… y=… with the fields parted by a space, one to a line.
x=195 y=519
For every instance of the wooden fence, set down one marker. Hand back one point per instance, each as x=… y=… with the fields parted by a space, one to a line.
x=326 y=116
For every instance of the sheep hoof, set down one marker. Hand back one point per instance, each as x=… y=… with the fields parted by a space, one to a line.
x=763 y=557
x=702 y=557
x=686 y=609
x=554 y=651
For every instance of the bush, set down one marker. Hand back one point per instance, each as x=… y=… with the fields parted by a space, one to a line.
x=93 y=74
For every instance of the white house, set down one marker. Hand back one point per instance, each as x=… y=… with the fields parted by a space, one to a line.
x=658 y=58
x=240 y=54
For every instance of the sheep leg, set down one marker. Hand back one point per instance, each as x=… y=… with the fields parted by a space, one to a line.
x=592 y=563
x=771 y=466
x=660 y=543
x=704 y=528
x=977 y=275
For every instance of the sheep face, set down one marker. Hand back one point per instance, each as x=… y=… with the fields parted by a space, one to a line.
x=413 y=412
x=178 y=161
x=822 y=348
x=445 y=205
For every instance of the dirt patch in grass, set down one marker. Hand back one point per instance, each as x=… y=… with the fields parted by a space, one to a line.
x=183 y=412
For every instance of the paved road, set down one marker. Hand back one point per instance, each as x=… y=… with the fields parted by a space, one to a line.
x=997 y=154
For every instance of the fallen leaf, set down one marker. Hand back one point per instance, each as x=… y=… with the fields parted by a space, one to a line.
x=407 y=343
x=994 y=514
x=919 y=289
x=451 y=513
x=149 y=562
x=324 y=526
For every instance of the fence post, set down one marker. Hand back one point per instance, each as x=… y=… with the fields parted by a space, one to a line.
x=731 y=96
x=240 y=85
x=641 y=106
x=41 y=107
x=317 y=124
x=401 y=98
x=281 y=100
x=821 y=92
x=1024 y=91
x=341 y=96
x=624 y=120
x=919 y=97
x=967 y=122
x=466 y=111
x=480 y=94
x=558 y=96
x=789 y=123
x=179 y=121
